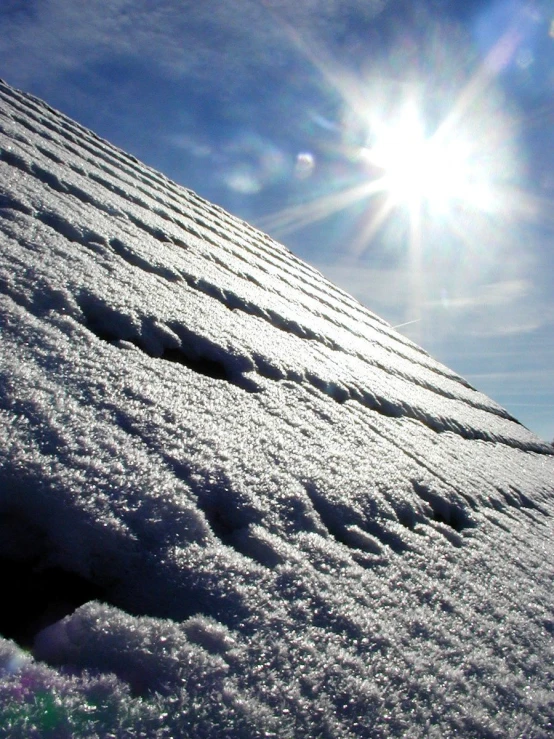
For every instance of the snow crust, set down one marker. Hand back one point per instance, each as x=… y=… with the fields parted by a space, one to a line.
x=253 y=508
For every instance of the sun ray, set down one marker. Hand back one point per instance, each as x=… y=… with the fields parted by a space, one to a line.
x=299 y=216
x=362 y=240
x=475 y=88
x=335 y=75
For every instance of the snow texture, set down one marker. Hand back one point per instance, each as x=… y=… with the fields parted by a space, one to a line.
x=233 y=501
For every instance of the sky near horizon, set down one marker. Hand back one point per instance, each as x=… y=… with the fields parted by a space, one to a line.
x=402 y=148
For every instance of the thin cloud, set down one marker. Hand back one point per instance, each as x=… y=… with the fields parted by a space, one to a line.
x=500 y=308
x=211 y=39
x=493 y=294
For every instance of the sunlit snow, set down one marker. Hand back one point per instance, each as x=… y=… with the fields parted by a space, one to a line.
x=233 y=501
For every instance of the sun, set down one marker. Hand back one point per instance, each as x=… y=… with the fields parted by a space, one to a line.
x=405 y=166
x=437 y=161
x=436 y=170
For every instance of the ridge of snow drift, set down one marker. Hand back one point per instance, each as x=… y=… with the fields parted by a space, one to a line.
x=233 y=501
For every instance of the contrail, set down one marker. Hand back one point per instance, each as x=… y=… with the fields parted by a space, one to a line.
x=408 y=323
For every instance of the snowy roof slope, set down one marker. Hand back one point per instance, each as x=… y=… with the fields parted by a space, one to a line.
x=234 y=502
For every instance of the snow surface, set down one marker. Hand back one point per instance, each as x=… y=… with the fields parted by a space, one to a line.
x=233 y=501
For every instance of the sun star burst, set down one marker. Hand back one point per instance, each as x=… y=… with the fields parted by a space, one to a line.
x=436 y=170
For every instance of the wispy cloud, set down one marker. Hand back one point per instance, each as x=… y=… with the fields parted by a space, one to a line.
x=512 y=306
x=194 y=39
x=492 y=294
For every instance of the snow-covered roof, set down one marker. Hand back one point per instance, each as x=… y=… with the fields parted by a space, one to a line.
x=233 y=501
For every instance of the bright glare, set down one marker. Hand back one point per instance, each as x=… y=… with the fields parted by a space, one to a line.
x=452 y=179
x=417 y=168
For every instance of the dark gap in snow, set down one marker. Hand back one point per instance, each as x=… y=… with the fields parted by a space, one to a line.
x=334 y=391
x=444 y=511
x=266 y=369
x=36 y=596
x=407 y=516
x=134 y=259
x=366 y=535
x=202 y=365
x=8 y=202
x=231 y=518
x=84 y=237
x=517 y=499
x=194 y=352
x=14 y=160
x=526 y=502
x=49 y=154
x=204 y=353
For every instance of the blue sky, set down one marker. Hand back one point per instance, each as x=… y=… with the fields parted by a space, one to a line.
x=295 y=116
